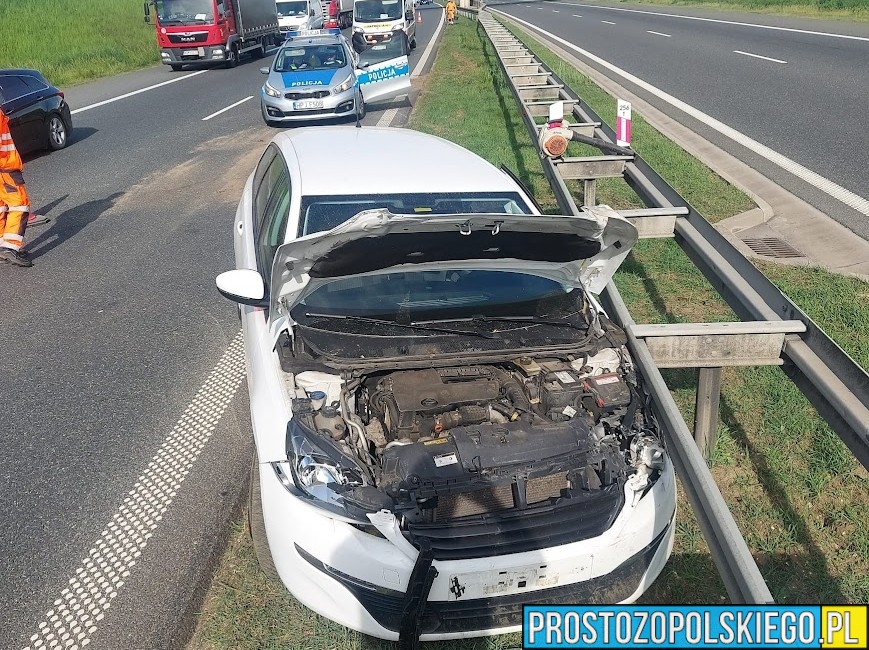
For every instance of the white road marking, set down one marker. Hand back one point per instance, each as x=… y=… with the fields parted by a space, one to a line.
x=758 y=56
x=387 y=117
x=607 y=22
x=814 y=179
x=231 y=106
x=577 y=16
x=723 y=22
x=417 y=70
x=136 y=92
x=555 y=11
x=84 y=601
x=649 y=31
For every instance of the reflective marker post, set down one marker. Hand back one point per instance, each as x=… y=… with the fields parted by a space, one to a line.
x=623 y=123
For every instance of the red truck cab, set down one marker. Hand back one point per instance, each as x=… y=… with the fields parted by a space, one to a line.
x=212 y=31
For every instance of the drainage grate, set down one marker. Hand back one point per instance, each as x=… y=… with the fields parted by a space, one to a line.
x=771 y=247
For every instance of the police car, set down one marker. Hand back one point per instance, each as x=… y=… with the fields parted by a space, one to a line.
x=317 y=75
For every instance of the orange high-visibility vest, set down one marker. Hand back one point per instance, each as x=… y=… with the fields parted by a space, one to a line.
x=10 y=161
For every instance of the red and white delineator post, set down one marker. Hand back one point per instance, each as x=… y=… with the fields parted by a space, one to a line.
x=623 y=123
x=555 y=135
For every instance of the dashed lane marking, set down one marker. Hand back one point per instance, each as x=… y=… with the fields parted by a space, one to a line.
x=649 y=31
x=83 y=602
x=607 y=22
x=814 y=179
x=230 y=107
x=137 y=92
x=758 y=56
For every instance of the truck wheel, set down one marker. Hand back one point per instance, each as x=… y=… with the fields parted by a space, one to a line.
x=260 y=52
x=232 y=59
x=257 y=525
x=176 y=67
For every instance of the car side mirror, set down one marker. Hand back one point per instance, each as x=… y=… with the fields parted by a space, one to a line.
x=147 y=12
x=408 y=15
x=264 y=70
x=243 y=286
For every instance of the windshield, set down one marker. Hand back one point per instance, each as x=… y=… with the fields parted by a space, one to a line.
x=185 y=12
x=293 y=8
x=383 y=51
x=418 y=295
x=320 y=213
x=310 y=57
x=372 y=11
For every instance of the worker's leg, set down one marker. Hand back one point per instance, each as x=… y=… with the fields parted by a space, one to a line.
x=14 y=199
x=15 y=208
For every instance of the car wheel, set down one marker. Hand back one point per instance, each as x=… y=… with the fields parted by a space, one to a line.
x=58 y=135
x=176 y=67
x=413 y=43
x=360 y=108
x=257 y=525
x=232 y=59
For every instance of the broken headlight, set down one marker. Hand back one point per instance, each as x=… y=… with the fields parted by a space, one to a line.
x=319 y=468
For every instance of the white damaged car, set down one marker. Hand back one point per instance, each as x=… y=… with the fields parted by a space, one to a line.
x=447 y=424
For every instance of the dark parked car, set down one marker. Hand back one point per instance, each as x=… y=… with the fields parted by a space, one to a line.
x=38 y=115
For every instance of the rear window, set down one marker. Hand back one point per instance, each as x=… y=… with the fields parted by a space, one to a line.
x=13 y=87
x=33 y=83
x=320 y=213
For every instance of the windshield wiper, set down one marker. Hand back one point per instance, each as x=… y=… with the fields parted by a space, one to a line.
x=535 y=320
x=415 y=326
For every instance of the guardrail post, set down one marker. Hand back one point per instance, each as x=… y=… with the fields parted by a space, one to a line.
x=706 y=411
x=589 y=188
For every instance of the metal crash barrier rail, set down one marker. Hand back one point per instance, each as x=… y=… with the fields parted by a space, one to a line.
x=774 y=332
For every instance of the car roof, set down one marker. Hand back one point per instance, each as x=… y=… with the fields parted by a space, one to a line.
x=321 y=39
x=337 y=160
x=19 y=71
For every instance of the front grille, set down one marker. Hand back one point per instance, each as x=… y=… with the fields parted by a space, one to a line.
x=515 y=531
x=317 y=94
x=199 y=37
x=443 y=617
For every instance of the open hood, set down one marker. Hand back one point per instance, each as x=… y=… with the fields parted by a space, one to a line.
x=581 y=250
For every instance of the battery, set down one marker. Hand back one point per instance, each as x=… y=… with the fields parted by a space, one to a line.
x=610 y=391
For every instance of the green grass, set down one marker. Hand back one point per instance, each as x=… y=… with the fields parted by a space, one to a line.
x=71 y=42
x=835 y=9
x=797 y=494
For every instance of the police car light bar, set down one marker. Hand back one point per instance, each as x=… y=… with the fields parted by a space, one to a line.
x=314 y=32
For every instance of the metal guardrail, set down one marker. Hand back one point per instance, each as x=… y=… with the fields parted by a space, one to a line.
x=837 y=386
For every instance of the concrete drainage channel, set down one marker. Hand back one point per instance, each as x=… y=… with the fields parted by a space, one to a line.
x=774 y=330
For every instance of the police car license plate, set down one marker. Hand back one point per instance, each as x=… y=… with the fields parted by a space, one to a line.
x=307 y=104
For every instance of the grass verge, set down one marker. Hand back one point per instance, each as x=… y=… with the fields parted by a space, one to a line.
x=796 y=492
x=72 y=42
x=829 y=9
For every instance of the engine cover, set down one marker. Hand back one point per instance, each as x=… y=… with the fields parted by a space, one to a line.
x=417 y=395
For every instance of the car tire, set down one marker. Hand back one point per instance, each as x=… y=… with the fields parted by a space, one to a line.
x=257 y=525
x=57 y=132
x=413 y=43
x=232 y=61
x=176 y=67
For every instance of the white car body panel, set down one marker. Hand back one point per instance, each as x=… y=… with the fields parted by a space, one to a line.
x=408 y=162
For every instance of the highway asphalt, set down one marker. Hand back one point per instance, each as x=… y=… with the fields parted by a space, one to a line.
x=807 y=99
x=107 y=340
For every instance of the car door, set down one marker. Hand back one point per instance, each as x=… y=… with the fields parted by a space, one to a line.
x=383 y=71
x=22 y=109
x=271 y=197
